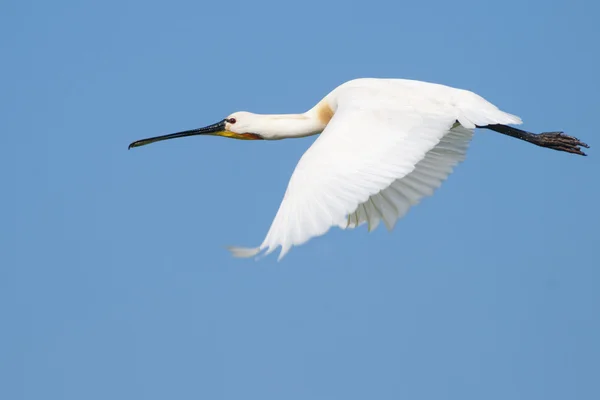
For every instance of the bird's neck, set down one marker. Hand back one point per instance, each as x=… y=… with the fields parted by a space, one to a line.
x=310 y=123
x=282 y=126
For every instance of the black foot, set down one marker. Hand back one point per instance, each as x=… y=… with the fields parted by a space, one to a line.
x=552 y=140
x=561 y=142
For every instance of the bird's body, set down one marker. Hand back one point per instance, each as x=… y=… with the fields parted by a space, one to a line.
x=384 y=145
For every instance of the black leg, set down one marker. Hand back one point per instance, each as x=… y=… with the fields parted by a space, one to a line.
x=552 y=140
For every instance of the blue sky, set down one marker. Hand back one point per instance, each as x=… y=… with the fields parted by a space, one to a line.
x=114 y=279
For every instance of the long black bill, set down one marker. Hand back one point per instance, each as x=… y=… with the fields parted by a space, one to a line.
x=218 y=127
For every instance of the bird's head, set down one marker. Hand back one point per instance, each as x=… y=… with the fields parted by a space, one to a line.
x=239 y=125
x=243 y=125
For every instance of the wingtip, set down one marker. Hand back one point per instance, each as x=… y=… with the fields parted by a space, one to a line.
x=243 y=252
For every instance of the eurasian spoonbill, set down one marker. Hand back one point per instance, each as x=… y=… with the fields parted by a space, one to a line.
x=384 y=145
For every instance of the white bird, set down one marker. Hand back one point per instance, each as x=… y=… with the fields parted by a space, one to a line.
x=384 y=145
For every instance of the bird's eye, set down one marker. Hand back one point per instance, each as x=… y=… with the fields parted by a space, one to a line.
x=231 y=120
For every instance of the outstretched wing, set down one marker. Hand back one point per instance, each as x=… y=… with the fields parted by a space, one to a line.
x=380 y=154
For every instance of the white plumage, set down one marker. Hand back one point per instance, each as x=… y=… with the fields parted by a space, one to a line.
x=390 y=143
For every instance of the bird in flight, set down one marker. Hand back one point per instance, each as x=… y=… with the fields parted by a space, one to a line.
x=384 y=145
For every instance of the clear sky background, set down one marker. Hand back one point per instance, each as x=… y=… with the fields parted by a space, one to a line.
x=114 y=278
